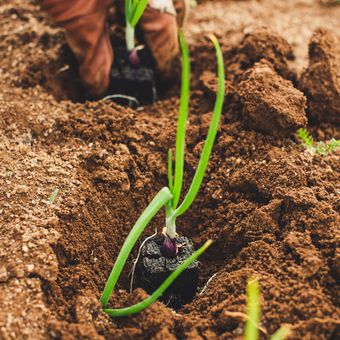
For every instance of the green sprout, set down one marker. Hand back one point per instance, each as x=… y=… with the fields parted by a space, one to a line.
x=320 y=148
x=133 y=12
x=252 y=327
x=253 y=310
x=53 y=196
x=168 y=196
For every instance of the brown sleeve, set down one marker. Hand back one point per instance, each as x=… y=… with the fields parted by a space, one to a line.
x=64 y=10
x=87 y=36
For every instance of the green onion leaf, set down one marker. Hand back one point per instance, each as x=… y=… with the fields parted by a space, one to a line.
x=209 y=142
x=128 y=5
x=138 y=12
x=163 y=196
x=134 y=6
x=182 y=120
x=170 y=171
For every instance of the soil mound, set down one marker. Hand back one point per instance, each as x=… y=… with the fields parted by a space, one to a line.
x=271 y=103
x=321 y=81
x=257 y=44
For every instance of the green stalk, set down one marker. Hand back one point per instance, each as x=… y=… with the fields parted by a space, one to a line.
x=128 y=6
x=182 y=119
x=134 y=10
x=158 y=292
x=170 y=172
x=253 y=310
x=138 y=10
x=209 y=142
x=163 y=196
x=130 y=37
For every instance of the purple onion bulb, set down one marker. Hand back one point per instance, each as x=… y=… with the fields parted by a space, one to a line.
x=169 y=248
x=134 y=58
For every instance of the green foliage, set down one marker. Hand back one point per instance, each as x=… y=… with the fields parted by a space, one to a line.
x=170 y=171
x=328 y=147
x=306 y=138
x=209 y=142
x=165 y=197
x=134 y=10
x=320 y=148
x=182 y=120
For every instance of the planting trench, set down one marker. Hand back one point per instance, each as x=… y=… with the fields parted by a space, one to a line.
x=271 y=208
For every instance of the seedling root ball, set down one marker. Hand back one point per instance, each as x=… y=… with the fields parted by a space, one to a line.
x=153 y=268
x=137 y=82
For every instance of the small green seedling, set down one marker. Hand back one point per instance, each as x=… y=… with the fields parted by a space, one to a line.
x=252 y=327
x=168 y=197
x=134 y=10
x=320 y=148
x=53 y=196
x=253 y=310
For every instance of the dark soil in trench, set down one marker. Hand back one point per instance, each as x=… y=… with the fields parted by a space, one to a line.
x=272 y=209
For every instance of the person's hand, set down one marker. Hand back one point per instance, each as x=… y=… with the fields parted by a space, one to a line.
x=88 y=38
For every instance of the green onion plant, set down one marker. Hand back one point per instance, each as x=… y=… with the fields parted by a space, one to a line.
x=169 y=197
x=173 y=208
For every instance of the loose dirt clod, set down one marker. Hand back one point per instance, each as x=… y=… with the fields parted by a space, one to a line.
x=321 y=81
x=261 y=43
x=271 y=103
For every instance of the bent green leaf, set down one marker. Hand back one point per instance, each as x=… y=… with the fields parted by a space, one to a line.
x=163 y=196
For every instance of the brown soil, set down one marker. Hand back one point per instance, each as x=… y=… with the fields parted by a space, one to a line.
x=271 y=103
x=272 y=209
x=321 y=81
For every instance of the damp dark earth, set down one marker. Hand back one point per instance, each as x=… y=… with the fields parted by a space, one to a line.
x=76 y=174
